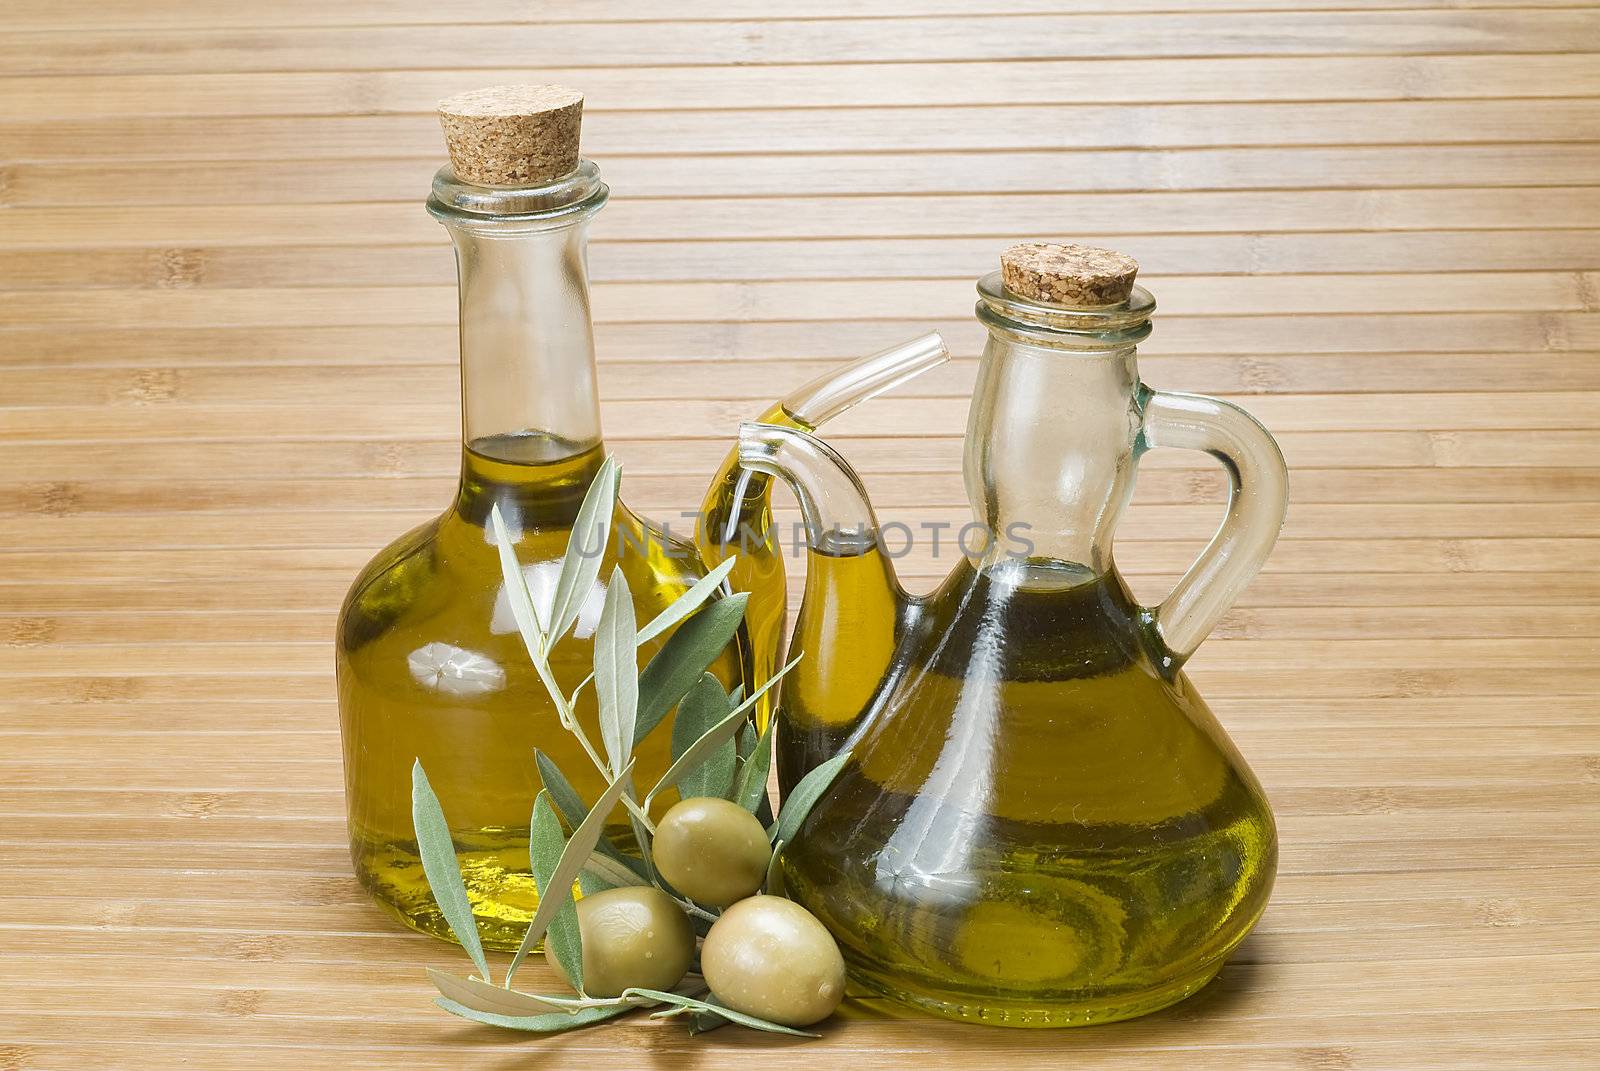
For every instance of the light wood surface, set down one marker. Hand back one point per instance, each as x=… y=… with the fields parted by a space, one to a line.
x=227 y=377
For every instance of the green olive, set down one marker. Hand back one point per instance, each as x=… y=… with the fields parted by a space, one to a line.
x=770 y=957
x=634 y=936
x=711 y=850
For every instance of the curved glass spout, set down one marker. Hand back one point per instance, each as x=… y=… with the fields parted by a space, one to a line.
x=838 y=517
x=854 y=611
x=736 y=517
x=831 y=394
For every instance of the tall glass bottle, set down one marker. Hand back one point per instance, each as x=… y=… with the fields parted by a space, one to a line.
x=430 y=663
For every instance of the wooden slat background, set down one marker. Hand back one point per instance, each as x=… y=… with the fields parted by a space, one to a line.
x=227 y=376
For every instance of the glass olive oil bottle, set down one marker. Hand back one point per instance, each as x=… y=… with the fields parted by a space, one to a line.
x=1039 y=822
x=430 y=663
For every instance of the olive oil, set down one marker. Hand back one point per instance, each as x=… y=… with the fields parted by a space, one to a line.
x=847 y=636
x=432 y=667
x=1037 y=825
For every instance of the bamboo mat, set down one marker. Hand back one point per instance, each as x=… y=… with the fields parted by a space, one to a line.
x=227 y=377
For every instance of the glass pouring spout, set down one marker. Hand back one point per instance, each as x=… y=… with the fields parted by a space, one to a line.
x=736 y=517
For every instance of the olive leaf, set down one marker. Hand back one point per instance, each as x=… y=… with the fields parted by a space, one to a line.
x=715 y=752
x=567 y=802
x=570 y=806
x=700 y=711
x=608 y=872
x=687 y=653
x=616 y=671
x=773 y=886
x=516 y=585
x=700 y=1022
x=484 y=996
x=548 y=1023
x=751 y=788
x=578 y=849
x=713 y=737
x=440 y=867
x=546 y=842
x=643 y=836
x=586 y=547
x=703 y=1022
x=697 y=1005
x=688 y=602
x=798 y=803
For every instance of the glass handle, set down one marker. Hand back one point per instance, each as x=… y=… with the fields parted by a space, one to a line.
x=1258 y=499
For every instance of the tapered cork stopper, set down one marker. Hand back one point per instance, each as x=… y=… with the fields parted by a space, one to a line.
x=1081 y=276
x=512 y=135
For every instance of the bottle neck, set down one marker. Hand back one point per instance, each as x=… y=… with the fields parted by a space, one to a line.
x=528 y=391
x=530 y=413
x=527 y=346
x=1053 y=432
x=1050 y=451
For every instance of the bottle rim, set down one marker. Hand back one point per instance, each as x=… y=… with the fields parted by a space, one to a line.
x=558 y=203
x=1097 y=327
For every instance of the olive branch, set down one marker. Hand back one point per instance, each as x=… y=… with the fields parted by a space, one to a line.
x=716 y=751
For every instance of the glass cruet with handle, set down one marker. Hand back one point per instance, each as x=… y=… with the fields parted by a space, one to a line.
x=1038 y=822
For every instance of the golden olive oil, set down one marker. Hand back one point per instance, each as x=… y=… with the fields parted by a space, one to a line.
x=432 y=667
x=1037 y=826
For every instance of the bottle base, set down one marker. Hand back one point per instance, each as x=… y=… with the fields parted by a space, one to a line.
x=502 y=893
x=1035 y=1014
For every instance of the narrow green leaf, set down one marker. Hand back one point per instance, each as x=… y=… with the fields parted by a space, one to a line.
x=586 y=546
x=616 y=671
x=798 y=803
x=703 y=1022
x=498 y=1000
x=610 y=872
x=567 y=802
x=578 y=849
x=440 y=867
x=546 y=842
x=705 y=704
x=549 y=1023
x=590 y=883
x=572 y=809
x=773 y=886
x=687 y=653
x=751 y=788
x=699 y=712
x=675 y=1011
x=747 y=741
x=700 y=1022
x=517 y=594
x=641 y=836
x=570 y=806
x=713 y=737
x=717 y=1009
x=688 y=602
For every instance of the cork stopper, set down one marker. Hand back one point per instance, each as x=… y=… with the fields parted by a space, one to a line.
x=523 y=135
x=1080 y=276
